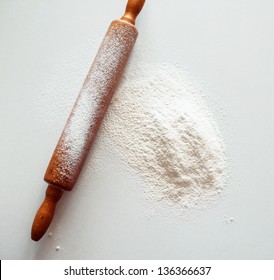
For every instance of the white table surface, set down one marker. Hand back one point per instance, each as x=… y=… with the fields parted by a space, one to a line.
x=47 y=47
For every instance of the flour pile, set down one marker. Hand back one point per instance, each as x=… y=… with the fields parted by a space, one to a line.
x=162 y=127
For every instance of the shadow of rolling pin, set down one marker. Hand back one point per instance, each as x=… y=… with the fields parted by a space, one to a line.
x=88 y=111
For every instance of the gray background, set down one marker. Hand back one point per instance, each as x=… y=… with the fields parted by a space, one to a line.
x=227 y=44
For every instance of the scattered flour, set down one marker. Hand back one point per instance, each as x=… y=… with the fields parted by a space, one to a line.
x=163 y=128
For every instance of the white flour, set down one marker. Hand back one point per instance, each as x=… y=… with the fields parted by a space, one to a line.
x=162 y=127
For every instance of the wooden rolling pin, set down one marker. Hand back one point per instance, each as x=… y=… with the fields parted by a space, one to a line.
x=89 y=109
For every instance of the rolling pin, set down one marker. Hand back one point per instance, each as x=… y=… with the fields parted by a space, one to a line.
x=83 y=123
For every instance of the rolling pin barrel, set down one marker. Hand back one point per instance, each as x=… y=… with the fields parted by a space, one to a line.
x=91 y=105
x=89 y=109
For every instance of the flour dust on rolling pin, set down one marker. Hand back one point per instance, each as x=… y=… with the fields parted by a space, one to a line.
x=92 y=102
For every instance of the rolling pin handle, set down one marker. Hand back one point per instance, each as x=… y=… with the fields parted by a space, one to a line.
x=45 y=213
x=133 y=9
